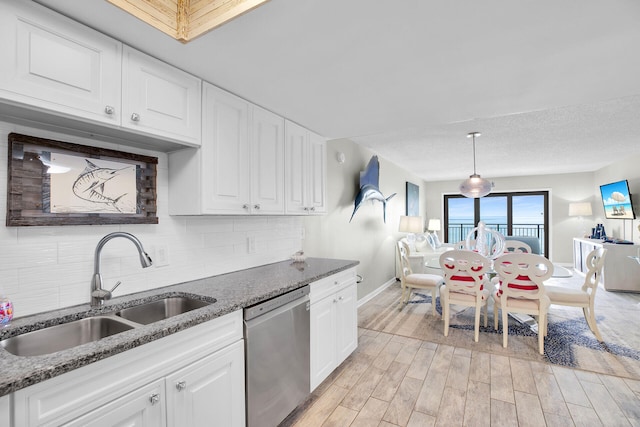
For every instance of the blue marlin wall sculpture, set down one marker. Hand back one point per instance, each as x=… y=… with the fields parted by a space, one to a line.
x=369 y=190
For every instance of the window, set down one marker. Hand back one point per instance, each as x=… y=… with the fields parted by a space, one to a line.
x=512 y=214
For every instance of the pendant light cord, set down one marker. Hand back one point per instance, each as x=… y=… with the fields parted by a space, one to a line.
x=474 y=153
x=473 y=136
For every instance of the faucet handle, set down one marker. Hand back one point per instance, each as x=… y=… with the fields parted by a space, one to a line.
x=118 y=283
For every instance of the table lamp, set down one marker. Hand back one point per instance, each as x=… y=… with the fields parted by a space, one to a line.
x=433 y=227
x=580 y=209
x=411 y=225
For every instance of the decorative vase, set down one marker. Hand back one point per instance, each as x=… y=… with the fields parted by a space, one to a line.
x=6 y=311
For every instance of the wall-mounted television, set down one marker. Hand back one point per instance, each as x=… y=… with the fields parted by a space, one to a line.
x=616 y=199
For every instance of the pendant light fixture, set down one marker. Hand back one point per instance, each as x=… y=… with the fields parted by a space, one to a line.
x=475 y=187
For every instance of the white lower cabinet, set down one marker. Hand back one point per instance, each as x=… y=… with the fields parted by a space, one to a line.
x=5 y=410
x=210 y=389
x=144 y=407
x=194 y=377
x=334 y=326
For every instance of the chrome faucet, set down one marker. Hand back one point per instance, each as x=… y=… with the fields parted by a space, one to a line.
x=99 y=295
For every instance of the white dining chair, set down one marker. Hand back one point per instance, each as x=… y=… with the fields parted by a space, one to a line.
x=521 y=289
x=410 y=280
x=516 y=246
x=585 y=296
x=465 y=283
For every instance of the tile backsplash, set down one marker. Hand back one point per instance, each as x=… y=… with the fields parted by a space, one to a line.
x=45 y=268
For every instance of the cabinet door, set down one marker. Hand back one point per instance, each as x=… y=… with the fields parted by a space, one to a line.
x=5 y=410
x=209 y=392
x=323 y=339
x=144 y=407
x=160 y=99
x=267 y=162
x=53 y=63
x=346 y=323
x=296 y=145
x=317 y=170
x=225 y=165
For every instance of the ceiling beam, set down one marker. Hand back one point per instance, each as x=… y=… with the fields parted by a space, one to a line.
x=185 y=20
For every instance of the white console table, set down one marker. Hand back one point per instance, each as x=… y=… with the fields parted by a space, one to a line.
x=620 y=272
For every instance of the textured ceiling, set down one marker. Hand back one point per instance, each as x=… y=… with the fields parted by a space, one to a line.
x=553 y=86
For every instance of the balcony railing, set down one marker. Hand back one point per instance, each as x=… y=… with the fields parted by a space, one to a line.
x=457 y=232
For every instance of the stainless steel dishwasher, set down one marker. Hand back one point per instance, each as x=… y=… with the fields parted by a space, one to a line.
x=277 y=357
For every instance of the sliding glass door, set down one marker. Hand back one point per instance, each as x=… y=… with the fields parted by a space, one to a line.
x=512 y=214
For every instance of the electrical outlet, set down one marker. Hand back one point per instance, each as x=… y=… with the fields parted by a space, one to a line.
x=251 y=245
x=162 y=256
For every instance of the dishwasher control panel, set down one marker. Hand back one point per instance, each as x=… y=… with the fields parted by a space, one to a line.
x=269 y=305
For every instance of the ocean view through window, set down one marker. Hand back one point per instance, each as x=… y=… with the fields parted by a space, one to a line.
x=512 y=214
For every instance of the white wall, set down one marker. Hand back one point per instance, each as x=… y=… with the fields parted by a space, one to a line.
x=367 y=238
x=45 y=268
x=628 y=169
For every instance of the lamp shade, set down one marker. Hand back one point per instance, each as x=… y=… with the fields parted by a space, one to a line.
x=411 y=224
x=434 y=225
x=580 y=209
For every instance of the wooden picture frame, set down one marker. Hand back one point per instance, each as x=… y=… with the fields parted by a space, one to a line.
x=413 y=200
x=30 y=177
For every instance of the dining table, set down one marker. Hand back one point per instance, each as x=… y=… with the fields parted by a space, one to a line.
x=559 y=271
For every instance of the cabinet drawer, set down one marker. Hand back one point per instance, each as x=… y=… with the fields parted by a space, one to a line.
x=331 y=284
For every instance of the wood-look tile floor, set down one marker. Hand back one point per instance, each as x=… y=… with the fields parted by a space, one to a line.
x=398 y=381
x=393 y=380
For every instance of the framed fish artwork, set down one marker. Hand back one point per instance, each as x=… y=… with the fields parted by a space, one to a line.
x=62 y=183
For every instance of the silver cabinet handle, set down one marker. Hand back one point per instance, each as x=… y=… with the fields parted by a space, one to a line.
x=313 y=209
x=135 y=117
x=109 y=110
x=154 y=398
x=245 y=206
x=340 y=298
x=335 y=282
x=335 y=300
x=256 y=207
x=306 y=209
x=181 y=385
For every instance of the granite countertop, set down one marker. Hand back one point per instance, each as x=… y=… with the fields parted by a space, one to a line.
x=232 y=291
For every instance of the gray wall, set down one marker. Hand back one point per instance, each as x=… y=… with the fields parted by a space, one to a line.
x=367 y=238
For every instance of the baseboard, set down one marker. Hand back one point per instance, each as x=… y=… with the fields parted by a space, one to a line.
x=373 y=294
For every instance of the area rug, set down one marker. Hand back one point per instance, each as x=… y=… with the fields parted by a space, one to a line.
x=569 y=341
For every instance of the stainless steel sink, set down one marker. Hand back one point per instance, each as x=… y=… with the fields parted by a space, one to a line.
x=161 y=309
x=64 y=336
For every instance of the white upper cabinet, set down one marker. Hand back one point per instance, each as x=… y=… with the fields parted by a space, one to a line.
x=160 y=99
x=305 y=171
x=225 y=166
x=240 y=167
x=59 y=72
x=53 y=63
x=266 y=162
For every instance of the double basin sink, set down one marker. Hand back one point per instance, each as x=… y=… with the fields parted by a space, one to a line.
x=68 y=335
